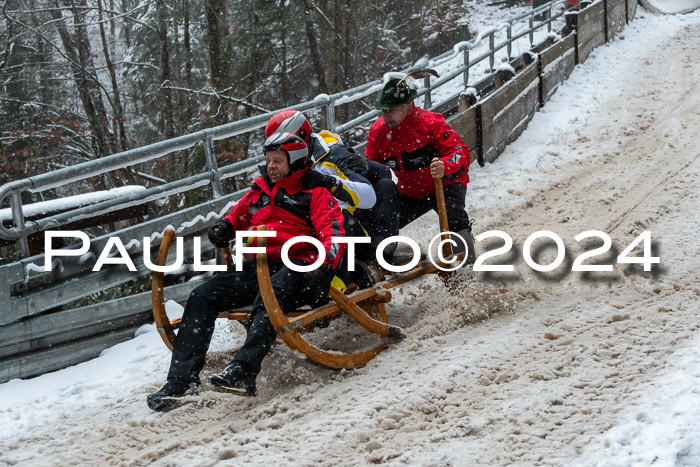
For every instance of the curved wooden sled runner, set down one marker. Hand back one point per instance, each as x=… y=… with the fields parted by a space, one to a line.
x=365 y=307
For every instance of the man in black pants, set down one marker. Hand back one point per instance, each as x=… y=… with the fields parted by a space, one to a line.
x=279 y=201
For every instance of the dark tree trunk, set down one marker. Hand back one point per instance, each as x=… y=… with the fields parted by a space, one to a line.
x=12 y=57
x=165 y=81
x=112 y=23
x=313 y=48
x=88 y=91
x=118 y=111
x=126 y=28
x=188 y=45
x=218 y=70
x=86 y=62
x=350 y=35
x=216 y=17
x=189 y=82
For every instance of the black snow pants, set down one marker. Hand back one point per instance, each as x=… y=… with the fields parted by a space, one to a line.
x=381 y=221
x=224 y=292
x=457 y=218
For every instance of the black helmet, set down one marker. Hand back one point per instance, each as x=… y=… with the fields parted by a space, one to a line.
x=294 y=146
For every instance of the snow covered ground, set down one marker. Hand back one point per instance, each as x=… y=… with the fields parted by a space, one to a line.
x=670 y=7
x=524 y=368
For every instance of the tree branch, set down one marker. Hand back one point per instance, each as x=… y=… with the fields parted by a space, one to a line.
x=219 y=95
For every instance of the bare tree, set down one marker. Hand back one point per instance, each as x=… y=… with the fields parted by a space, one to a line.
x=166 y=94
x=313 y=46
x=118 y=111
x=78 y=52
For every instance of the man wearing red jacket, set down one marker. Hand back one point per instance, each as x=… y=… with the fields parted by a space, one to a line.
x=419 y=145
x=279 y=201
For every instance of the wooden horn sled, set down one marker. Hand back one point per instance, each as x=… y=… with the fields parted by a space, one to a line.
x=366 y=307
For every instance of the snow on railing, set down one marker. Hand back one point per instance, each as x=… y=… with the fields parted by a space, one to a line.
x=70 y=202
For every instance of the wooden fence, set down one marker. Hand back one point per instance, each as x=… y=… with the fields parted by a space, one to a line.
x=495 y=119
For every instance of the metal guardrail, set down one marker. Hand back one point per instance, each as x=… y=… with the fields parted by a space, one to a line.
x=13 y=190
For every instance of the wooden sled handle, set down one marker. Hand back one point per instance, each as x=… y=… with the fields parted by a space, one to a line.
x=442 y=216
x=227 y=257
x=444 y=227
x=165 y=329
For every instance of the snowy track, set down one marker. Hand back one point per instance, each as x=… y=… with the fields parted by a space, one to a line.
x=527 y=370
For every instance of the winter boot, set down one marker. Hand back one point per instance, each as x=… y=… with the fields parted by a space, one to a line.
x=323 y=323
x=367 y=273
x=459 y=248
x=235 y=379
x=172 y=394
x=404 y=255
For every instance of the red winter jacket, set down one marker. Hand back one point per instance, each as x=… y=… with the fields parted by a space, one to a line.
x=292 y=211
x=409 y=148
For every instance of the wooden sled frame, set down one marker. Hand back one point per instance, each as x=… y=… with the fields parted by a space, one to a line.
x=365 y=307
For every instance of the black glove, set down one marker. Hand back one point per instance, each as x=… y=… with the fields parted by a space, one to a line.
x=316 y=285
x=314 y=178
x=358 y=164
x=221 y=233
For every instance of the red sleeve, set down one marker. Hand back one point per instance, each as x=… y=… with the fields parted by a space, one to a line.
x=240 y=213
x=453 y=152
x=371 y=150
x=327 y=219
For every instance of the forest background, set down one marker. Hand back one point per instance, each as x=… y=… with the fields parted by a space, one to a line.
x=82 y=79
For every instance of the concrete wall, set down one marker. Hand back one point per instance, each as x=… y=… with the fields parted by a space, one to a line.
x=506 y=112
x=556 y=64
x=616 y=17
x=591 y=25
x=631 y=9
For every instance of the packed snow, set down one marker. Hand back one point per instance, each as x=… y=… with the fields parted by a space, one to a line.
x=670 y=7
x=522 y=368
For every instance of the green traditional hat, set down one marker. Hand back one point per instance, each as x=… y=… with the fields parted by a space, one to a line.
x=396 y=92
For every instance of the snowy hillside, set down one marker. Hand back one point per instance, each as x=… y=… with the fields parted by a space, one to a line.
x=521 y=369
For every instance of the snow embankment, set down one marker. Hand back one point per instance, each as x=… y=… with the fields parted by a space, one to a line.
x=670 y=7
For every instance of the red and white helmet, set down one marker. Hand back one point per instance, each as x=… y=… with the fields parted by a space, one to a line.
x=290 y=143
x=289 y=121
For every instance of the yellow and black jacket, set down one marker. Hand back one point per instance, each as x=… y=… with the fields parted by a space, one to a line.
x=329 y=156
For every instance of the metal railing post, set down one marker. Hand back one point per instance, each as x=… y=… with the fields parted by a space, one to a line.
x=330 y=115
x=509 y=33
x=466 y=64
x=492 y=46
x=428 y=103
x=549 y=18
x=18 y=219
x=532 y=29
x=210 y=156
